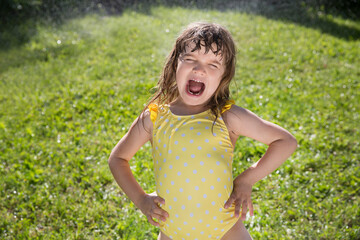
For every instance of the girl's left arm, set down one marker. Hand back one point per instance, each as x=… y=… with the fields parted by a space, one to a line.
x=281 y=144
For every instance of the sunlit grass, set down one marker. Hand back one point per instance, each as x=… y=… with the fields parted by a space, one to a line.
x=70 y=93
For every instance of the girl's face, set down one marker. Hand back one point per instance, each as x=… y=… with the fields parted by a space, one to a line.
x=198 y=75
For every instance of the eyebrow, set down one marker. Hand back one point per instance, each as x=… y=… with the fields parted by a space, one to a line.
x=192 y=55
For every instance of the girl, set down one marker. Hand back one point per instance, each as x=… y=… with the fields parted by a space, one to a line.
x=193 y=127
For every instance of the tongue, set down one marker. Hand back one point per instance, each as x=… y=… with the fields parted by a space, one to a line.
x=195 y=87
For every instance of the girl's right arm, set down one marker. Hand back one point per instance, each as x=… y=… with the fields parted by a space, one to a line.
x=138 y=134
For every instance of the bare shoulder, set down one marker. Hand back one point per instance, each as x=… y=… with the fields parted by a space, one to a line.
x=243 y=122
x=139 y=133
x=145 y=121
x=237 y=117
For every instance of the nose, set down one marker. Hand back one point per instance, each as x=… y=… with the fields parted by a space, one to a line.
x=199 y=69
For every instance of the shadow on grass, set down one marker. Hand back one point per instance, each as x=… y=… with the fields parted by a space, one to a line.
x=18 y=26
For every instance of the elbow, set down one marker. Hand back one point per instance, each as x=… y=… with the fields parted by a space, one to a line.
x=293 y=144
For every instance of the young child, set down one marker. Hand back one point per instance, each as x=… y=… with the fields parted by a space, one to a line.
x=193 y=126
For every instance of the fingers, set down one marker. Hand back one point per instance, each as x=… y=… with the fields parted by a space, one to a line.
x=244 y=210
x=159 y=200
x=230 y=201
x=154 y=211
x=240 y=203
x=251 y=208
x=152 y=222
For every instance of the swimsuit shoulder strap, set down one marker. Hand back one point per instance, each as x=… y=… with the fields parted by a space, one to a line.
x=153 y=108
x=228 y=105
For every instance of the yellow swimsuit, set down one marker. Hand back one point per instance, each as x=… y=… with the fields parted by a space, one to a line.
x=193 y=173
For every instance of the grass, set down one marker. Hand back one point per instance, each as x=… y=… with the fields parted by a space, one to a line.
x=70 y=93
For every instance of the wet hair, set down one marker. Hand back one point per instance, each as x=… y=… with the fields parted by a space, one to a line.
x=212 y=37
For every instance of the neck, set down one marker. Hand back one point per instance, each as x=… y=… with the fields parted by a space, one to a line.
x=180 y=108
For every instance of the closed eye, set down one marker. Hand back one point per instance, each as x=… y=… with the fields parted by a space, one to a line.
x=213 y=66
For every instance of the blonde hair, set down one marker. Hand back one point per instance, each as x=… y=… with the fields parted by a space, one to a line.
x=201 y=35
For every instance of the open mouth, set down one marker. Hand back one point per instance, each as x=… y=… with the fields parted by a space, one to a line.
x=195 y=87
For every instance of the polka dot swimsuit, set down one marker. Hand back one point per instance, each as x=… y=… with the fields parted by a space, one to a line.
x=192 y=163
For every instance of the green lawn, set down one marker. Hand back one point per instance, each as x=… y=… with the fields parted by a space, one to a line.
x=70 y=93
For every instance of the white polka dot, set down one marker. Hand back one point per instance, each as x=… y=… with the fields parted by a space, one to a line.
x=214 y=148
x=213 y=203
x=191 y=215
x=219 y=195
x=225 y=171
x=184 y=149
x=164 y=160
x=170 y=207
x=191 y=141
x=212 y=187
x=220 y=142
x=177 y=157
x=208 y=155
x=187 y=180
x=217 y=163
x=170 y=151
x=196 y=188
x=192 y=155
x=171 y=125
x=191 y=128
x=181 y=190
x=183 y=135
x=183 y=207
x=172 y=183
x=199 y=148
x=214 y=134
x=179 y=118
x=199 y=133
x=165 y=175
x=207 y=140
x=206 y=127
x=170 y=166
x=200 y=221
x=189 y=197
x=185 y=164
x=198 y=205
x=164 y=132
x=218 y=179
x=222 y=156
x=194 y=171
x=211 y=171
x=205 y=196
x=203 y=179
x=179 y=173
x=176 y=142
x=175 y=199
x=177 y=215
x=167 y=191
x=201 y=163
x=164 y=145
x=185 y=223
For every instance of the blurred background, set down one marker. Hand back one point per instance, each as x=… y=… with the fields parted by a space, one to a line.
x=75 y=74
